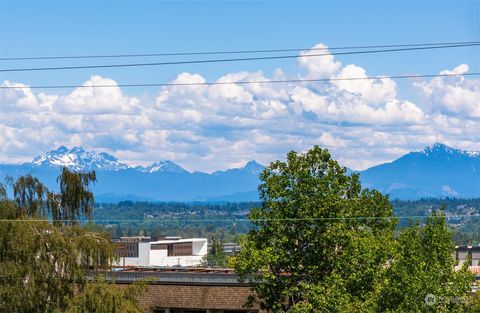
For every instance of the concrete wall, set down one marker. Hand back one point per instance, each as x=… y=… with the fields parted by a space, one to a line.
x=160 y=257
x=200 y=248
x=148 y=257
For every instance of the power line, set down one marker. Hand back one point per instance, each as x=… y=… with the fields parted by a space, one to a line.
x=243 y=82
x=248 y=220
x=57 y=57
x=231 y=59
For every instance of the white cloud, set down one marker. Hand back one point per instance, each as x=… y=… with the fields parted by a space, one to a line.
x=90 y=100
x=211 y=127
x=321 y=64
x=372 y=91
x=17 y=97
x=453 y=95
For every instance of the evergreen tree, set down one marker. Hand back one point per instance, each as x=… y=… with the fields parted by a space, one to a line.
x=215 y=256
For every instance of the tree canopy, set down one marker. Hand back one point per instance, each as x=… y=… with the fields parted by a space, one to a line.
x=44 y=265
x=322 y=243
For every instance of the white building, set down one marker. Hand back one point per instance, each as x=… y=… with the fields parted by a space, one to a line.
x=167 y=251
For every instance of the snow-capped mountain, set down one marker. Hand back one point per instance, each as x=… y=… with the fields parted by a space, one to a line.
x=435 y=171
x=163 y=166
x=79 y=159
x=442 y=150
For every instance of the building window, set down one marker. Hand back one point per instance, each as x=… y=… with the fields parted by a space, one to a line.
x=158 y=246
x=180 y=249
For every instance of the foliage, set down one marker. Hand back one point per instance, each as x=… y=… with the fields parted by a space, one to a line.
x=29 y=194
x=463 y=216
x=224 y=221
x=75 y=199
x=321 y=243
x=42 y=261
x=423 y=265
x=215 y=256
x=102 y=297
x=317 y=230
x=43 y=266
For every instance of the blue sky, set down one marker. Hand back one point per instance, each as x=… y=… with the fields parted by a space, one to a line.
x=39 y=28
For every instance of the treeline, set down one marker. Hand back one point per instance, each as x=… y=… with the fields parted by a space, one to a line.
x=222 y=221
x=225 y=221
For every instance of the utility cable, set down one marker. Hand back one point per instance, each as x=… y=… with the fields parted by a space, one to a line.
x=59 y=57
x=243 y=82
x=223 y=60
x=232 y=220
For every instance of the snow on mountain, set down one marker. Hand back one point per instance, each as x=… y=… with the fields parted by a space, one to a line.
x=163 y=166
x=435 y=171
x=444 y=150
x=79 y=159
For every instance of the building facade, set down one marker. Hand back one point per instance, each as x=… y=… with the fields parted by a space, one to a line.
x=154 y=251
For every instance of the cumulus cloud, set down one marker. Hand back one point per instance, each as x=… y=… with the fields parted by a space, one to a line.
x=90 y=100
x=212 y=127
x=372 y=91
x=318 y=63
x=453 y=95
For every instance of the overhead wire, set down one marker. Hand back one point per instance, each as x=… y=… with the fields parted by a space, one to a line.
x=232 y=220
x=136 y=55
x=243 y=82
x=223 y=60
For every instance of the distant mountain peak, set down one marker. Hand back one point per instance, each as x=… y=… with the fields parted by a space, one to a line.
x=442 y=149
x=164 y=166
x=254 y=167
x=79 y=159
x=61 y=149
x=438 y=147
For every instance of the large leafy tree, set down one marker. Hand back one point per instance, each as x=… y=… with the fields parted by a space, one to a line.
x=318 y=239
x=420 y=275
x=321 y=243
x=43 y=265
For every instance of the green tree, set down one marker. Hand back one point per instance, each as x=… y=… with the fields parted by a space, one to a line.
x=423 y=266
x=43 y=265
x=319 y=239
x=215 y=256
x=75 y=198
x=102 y=297
x=29 y=194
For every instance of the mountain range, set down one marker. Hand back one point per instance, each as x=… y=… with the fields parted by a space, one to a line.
x=435 y=172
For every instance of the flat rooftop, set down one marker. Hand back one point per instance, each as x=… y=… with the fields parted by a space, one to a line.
x=176 y=276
